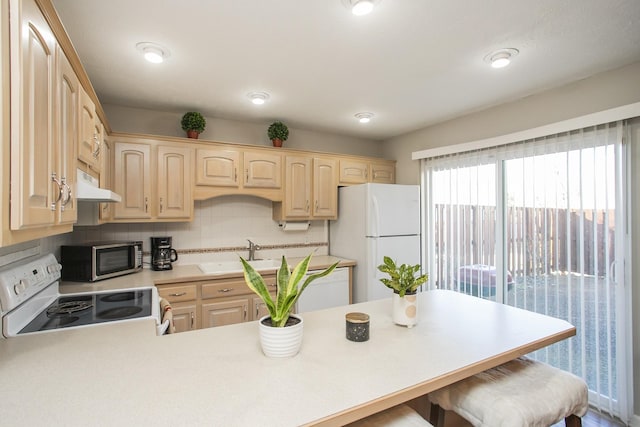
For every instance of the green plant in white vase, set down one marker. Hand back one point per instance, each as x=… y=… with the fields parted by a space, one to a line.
x=289 y=287
x=404 y=283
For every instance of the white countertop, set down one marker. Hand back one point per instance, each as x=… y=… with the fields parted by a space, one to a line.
x=181 y=273
x=122 y=374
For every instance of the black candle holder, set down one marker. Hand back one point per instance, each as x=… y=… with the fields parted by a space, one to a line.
x=357 y=327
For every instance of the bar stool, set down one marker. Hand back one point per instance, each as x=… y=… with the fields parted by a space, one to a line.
x=522 y=392
x=398 y=416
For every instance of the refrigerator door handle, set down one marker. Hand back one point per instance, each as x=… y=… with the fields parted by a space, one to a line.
x=375 y=217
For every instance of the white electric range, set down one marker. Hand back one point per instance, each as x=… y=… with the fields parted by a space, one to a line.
x=30 y=301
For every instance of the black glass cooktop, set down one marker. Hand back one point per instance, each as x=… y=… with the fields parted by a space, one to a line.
x=86 y=309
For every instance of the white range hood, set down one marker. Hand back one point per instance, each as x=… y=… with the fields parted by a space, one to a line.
x=88 y=189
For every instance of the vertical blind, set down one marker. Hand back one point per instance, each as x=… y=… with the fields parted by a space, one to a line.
x=538 y=224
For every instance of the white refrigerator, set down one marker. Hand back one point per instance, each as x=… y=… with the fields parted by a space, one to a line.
x=376 y=220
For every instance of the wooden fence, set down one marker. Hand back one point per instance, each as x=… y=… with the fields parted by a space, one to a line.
x=538 y=240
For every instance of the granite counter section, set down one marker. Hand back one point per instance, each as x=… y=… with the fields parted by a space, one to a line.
x=181 y=273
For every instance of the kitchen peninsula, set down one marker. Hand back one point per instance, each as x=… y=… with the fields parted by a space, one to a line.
x=122 y=374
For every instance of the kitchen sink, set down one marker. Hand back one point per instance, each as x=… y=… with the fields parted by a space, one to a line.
x=236 y=267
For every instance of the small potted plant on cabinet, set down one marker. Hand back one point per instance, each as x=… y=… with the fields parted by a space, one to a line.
x=278 y=132
x=404 y=283
x=193 y=123
x=281 y=331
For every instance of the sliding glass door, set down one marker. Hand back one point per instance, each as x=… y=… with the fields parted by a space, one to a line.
x=537 y=225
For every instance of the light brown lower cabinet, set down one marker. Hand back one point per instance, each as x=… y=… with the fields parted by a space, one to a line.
x=216 y=302
x=185 y=316
x=227 y=312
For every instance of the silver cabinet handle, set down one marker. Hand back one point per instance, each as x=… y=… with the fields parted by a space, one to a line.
x=146 y=204
x=96 y=143
x=66 y=200
x=161 y=207
x=193 y=316
x=235 y=175
x=225 y=290
x=247 y=173
x=60 y=191
x=181 y=294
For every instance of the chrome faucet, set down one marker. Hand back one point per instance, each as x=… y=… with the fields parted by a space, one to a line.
x=252 y=250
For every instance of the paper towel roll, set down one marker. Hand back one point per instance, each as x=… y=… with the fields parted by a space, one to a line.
x=294 y=226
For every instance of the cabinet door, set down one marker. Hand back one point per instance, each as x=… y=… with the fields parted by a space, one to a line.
x=262 y=170
x=174 y=182
x=33 y=194
x=218 y=167
x=383 y=173
x=297 y=192
x=106 y=179
x=325 y=189
x=184 y=316
x=67 y=99
x=353 y=172
x=132 y=180
x=227 y=312
x=89 y=144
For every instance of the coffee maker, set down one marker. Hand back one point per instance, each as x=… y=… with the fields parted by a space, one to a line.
x=162 y=254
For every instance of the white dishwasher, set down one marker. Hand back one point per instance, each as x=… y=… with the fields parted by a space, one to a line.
x=326 y=292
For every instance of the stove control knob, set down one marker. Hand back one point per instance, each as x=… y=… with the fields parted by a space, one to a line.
x=20 y=286
x=53 y=268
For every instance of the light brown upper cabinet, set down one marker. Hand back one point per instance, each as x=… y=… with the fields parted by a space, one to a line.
x=262 y=170
x=384 y=173
x=310 y=189
x=168 y=197
x=238 y=168
x=174 y=183
x=325 y=188
x=222 y=170
x=132 y=180
x=356 y=171
x=44 y=94
x=67 y=134
x=218 y=167
x=106 y=179
x=91 y=134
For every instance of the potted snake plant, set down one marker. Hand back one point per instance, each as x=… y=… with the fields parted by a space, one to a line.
x=281 y=331
x=404 y=283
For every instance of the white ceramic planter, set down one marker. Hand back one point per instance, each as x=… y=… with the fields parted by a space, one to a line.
x=280 y=342
x=405 y=310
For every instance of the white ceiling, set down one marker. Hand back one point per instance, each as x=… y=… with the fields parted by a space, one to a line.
x=410 y=62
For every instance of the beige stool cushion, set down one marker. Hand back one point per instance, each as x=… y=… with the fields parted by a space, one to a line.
x=522 y=392
x=398 y=416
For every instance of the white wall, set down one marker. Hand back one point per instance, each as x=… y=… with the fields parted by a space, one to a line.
x=596 y=93
x=138 y=120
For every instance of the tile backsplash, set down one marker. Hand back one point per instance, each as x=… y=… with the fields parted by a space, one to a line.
x=219 y=232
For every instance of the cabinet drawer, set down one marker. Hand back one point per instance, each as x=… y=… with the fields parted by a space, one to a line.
x=225 y=288
x=178 y=293
x=228 y=288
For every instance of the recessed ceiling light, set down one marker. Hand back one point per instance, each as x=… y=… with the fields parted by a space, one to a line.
x=364 y=117
x=258 y=98
x=153 y=52
x=501 y=58
x=360 y=7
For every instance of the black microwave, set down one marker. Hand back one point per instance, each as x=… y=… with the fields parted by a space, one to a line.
x=90 y=262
